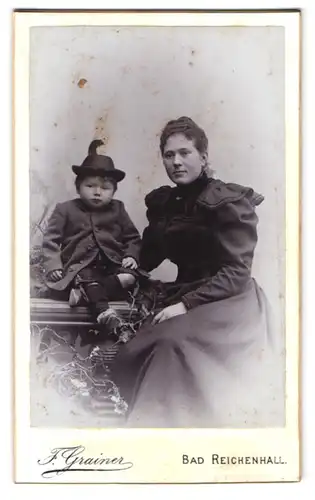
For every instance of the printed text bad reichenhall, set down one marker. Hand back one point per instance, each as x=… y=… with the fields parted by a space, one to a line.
x=234 y=460
x=246 y=460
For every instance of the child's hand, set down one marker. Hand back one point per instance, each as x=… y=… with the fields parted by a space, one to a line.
x=55 y=275
x=130 y=263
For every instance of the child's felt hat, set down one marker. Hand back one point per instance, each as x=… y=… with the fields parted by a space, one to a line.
x=95 y=164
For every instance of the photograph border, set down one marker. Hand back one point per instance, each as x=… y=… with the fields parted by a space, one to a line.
x=153 y=462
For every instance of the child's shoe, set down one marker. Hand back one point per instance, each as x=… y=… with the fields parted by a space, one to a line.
x=110 y=319
x=75 y=297
x=116 y=324
x=125 y=333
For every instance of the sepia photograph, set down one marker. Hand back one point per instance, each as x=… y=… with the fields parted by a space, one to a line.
x=157 y=196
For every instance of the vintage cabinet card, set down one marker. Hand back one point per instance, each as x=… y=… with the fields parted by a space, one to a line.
x=156 y=277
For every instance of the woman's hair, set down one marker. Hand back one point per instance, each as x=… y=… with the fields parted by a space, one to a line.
x=186 y=126
x=80 y=178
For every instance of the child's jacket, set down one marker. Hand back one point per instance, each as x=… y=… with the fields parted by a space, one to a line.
x=76 y=234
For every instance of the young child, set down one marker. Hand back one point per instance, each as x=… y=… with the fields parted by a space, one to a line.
x=91 y=244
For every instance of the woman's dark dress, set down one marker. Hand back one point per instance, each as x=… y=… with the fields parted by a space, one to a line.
x=212 y=366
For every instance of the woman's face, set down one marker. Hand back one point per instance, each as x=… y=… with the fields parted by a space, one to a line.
x=183 y=162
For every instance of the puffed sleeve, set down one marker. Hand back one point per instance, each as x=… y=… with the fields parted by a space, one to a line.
x=236 y=237
x=53 y=238
x=152 y=250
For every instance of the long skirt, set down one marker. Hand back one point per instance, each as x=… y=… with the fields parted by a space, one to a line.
x=214 y=366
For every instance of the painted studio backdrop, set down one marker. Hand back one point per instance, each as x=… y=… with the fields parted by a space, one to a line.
x=122 y=84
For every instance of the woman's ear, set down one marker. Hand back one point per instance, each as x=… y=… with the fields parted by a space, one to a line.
x=204 y=157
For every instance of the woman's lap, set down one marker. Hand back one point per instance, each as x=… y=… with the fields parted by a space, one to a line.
x=228 y=322
x=212 y=366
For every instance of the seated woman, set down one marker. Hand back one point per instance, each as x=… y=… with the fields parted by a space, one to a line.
x=206 y=358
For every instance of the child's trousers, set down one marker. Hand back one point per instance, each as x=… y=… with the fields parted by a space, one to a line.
x=100 y=284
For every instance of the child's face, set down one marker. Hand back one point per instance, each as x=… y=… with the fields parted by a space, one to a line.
x=96 y=192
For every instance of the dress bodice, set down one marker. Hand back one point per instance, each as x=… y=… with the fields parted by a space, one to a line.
x=209 y=230
x=188 y=235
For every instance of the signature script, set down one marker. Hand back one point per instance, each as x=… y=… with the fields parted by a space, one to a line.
x=72 y=459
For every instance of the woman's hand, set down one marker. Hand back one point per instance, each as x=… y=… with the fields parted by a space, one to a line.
x=170 y=312
x=55 y=275
x=130 y=263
